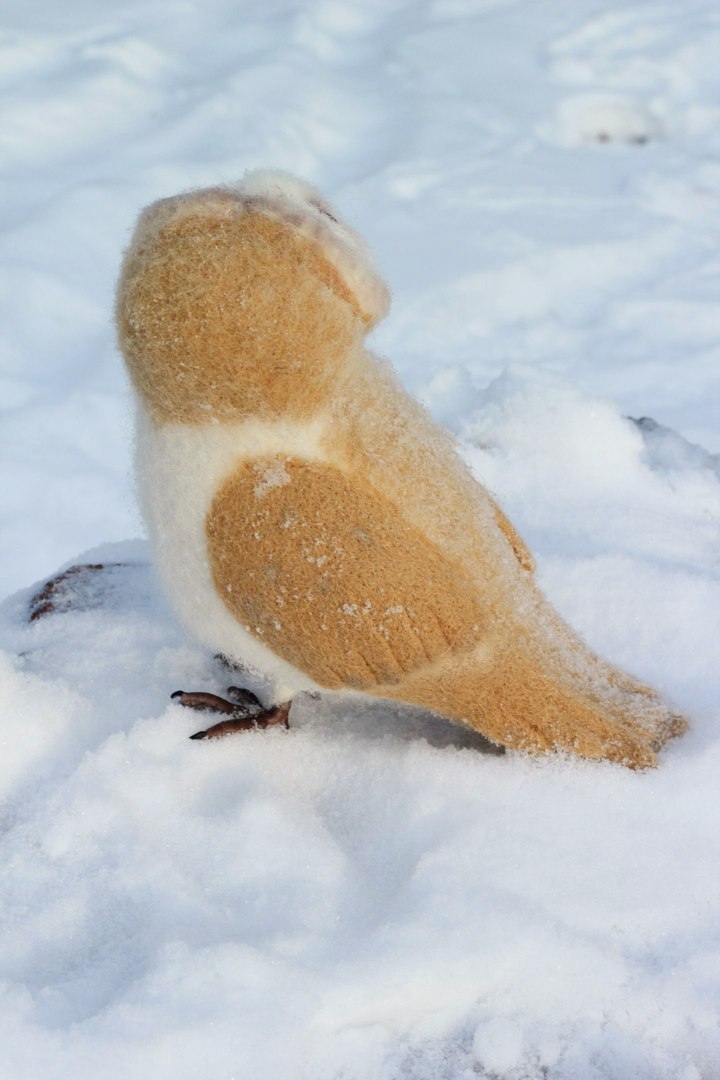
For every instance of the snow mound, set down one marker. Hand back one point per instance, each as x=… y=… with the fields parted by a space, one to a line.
x=669 y=451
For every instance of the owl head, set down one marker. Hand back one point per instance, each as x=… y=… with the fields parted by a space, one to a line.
x=243 y=300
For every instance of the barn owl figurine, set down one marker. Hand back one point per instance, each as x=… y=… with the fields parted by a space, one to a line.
x=307 y=516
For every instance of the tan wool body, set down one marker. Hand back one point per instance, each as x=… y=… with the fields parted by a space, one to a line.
x=308 y=517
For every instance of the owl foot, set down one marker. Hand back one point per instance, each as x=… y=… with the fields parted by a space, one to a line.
x=245 y=712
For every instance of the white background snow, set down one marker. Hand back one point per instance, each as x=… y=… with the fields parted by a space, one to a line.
x=371 y=896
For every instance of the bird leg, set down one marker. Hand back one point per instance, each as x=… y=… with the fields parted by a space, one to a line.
x=245 y=711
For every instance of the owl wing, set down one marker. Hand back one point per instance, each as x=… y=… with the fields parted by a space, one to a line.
x=328 y=574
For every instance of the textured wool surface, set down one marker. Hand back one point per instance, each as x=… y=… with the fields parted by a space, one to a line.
x=191 y=357
x=330 y=573
x=385 y=567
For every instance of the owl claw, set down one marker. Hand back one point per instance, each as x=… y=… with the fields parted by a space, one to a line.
x=266 y=718
x=204 y=702
x=245 y=713
x=244 y=698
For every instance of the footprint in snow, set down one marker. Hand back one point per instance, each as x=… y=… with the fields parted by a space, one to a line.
x=586 y=119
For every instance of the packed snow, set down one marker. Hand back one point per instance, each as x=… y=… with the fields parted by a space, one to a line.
x=374 y=894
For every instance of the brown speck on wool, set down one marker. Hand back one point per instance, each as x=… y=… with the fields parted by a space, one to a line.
x=377 y=562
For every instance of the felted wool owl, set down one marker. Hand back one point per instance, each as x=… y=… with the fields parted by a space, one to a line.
x=308 y=517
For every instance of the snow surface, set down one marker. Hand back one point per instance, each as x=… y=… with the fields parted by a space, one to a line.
x=373 y=894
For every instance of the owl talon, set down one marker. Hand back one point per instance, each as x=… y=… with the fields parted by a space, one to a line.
x=267 y=718
x=204 y=702
x=245 y=713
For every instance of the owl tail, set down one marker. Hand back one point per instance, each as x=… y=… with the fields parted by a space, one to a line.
x=545 y=690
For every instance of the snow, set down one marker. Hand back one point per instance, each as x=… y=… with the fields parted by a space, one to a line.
x=373 y=894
